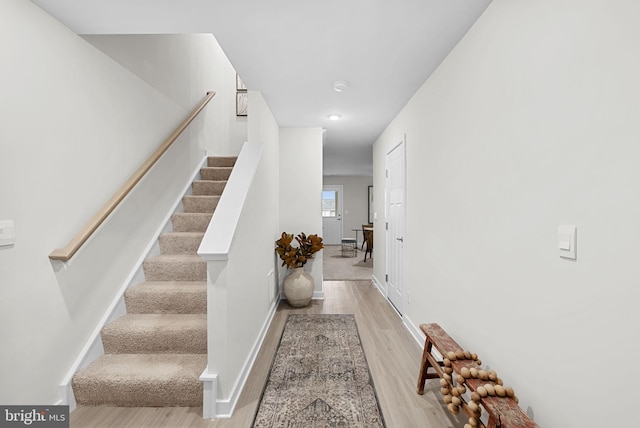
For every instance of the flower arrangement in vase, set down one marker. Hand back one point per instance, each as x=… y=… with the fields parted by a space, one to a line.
x=298 y=285
x=295 y=257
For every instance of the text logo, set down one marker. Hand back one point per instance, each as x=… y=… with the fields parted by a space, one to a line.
x=34 y=416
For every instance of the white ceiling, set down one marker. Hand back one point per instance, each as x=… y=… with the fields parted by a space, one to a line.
x=292 y=51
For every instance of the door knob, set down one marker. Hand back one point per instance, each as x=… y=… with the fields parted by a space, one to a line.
x=400 y=239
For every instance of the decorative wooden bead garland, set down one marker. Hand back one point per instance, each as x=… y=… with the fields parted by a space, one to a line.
x=451 y=394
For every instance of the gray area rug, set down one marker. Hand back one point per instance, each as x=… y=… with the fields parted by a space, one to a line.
x=319 y=377
x=338 y=268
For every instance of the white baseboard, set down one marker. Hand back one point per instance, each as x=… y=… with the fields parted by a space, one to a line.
x=419 y=336
x=414 y=330
x=379 y=286
x=212 y=407
x=317 y=295
x=93 y=349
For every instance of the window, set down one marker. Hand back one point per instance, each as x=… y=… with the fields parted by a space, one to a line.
x=329 y=203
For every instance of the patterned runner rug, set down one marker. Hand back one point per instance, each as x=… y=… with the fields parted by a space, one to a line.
x=319 y=377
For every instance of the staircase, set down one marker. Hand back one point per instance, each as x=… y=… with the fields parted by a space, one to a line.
x=154 y=354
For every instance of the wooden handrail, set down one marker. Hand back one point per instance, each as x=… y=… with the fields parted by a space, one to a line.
x=65 y=254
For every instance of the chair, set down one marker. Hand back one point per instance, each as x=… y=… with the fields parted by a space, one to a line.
x=364 y=235
x=368 y=240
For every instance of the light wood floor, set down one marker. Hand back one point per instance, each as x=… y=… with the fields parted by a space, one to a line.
x=392 y=353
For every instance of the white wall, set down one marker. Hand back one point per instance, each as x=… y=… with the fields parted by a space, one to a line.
x=184 y=67
x=75 y=126
x=242 y=291
x=251 y=298
x=301 y=189
x=530 y=123
x=355 y=201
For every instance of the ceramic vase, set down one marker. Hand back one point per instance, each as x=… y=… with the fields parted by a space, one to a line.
x=298 y=287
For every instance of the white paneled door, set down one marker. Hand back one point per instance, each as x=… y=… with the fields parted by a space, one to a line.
x=332 y=214
x=395 y=226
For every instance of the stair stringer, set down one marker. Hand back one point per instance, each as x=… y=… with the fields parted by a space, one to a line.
x=93 y=348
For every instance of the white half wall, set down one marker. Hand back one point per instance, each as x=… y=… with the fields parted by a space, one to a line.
x=531 y=123
x=238 y=247
x=184 y=67
x=250 y=300
x=301 y=190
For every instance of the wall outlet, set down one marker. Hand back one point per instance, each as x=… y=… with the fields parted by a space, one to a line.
x=271 y=284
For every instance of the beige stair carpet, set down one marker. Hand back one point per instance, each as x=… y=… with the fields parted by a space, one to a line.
x=180 y=242
x=155 y=354
x=156 y=334
x=167 y=297
x=190 y=222
x=175 y=267
x=142 y=380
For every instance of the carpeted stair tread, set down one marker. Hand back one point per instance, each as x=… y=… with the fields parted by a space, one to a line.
x=208 y=187
x=141 y=380
x=180 y=242
x=167 y=297
x=227 y=161
x=190 y=222
x=156 y=334
x=175 y=267
x=200 y=203
x=215 y=173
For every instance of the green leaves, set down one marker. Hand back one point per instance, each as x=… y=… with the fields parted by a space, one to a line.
x=294 y=257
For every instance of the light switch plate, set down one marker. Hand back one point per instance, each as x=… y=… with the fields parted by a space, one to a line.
x=7 y=233
x=567 y=241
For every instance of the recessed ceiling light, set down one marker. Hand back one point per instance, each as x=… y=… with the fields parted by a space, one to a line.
x=334 y=116
x=340 y=85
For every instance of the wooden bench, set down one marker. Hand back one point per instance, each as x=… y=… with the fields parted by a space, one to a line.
x=503 y=412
